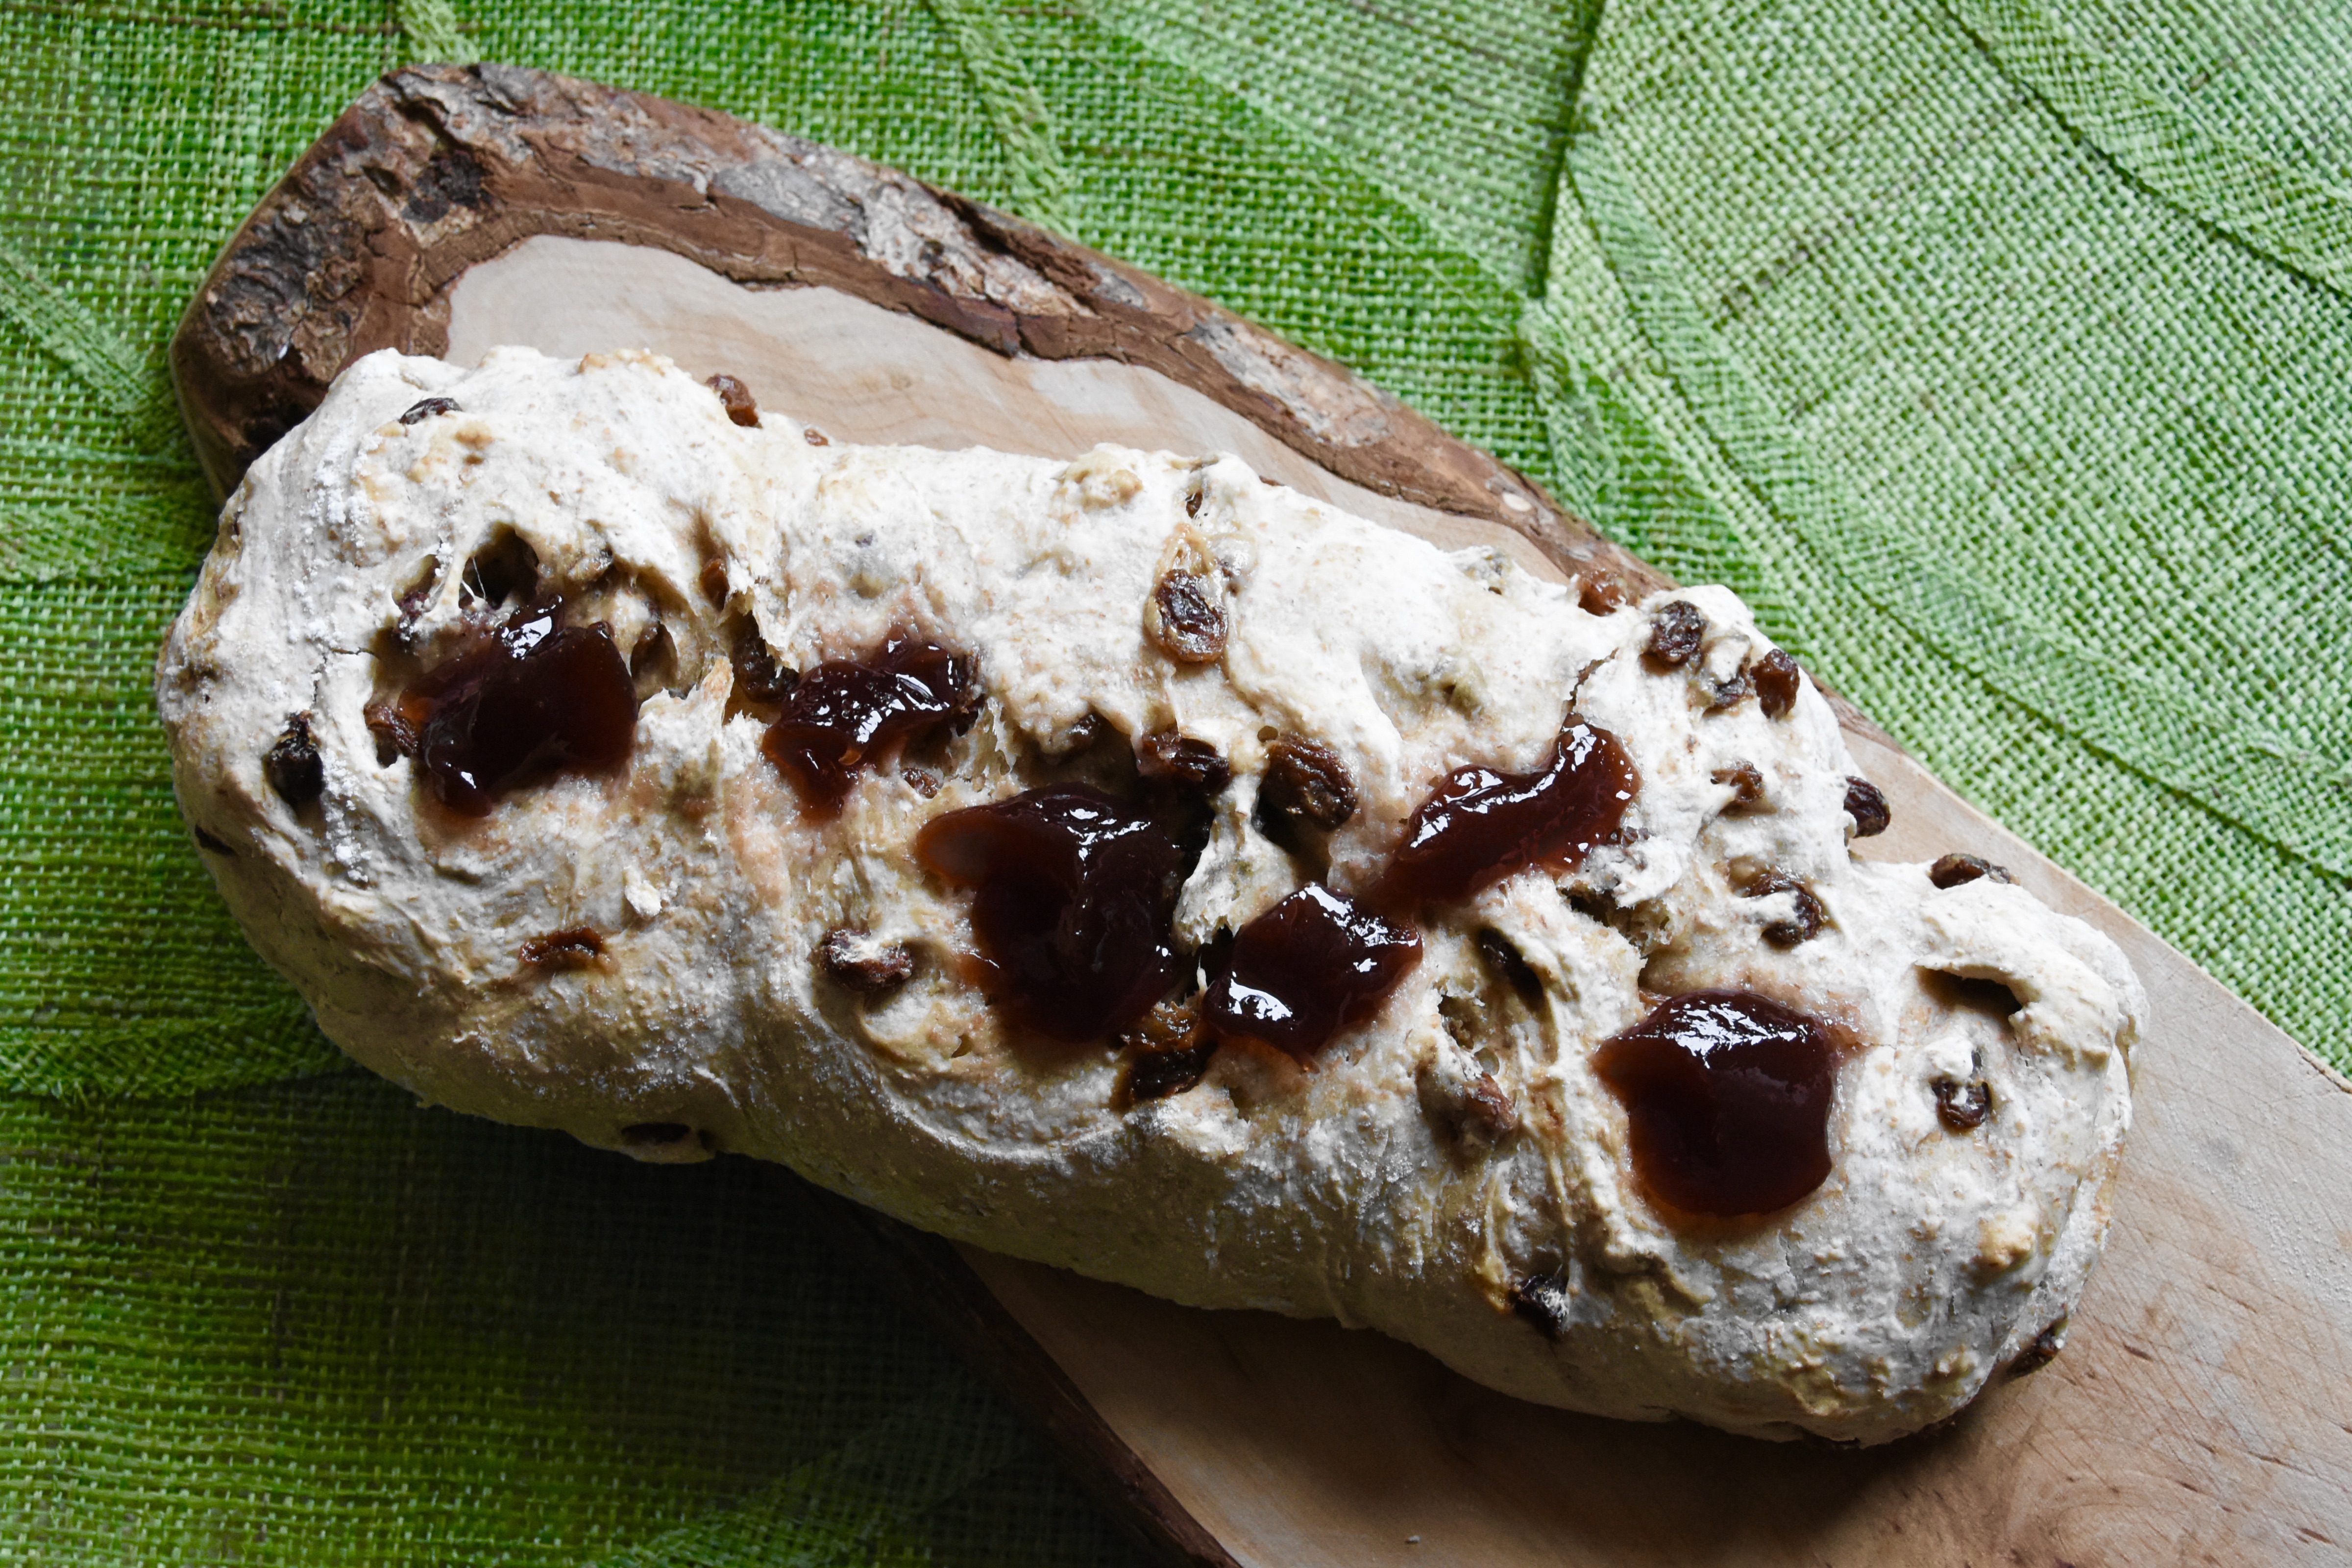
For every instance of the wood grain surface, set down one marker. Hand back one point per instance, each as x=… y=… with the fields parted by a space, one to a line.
x=2201 y=1411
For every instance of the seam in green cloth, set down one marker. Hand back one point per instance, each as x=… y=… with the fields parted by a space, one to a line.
x=1041 y=187
x=844 y=1507
x=433 y=33
x=2303 y=810
x=2296 y=219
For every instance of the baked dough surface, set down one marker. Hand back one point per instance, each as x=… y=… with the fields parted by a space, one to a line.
x=1883 y=1301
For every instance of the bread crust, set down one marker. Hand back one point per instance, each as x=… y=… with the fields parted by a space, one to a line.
x=710 y=1019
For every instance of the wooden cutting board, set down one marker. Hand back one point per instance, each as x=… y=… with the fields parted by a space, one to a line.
x=2201 y=1411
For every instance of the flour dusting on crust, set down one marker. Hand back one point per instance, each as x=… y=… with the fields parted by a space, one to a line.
x=676 y=955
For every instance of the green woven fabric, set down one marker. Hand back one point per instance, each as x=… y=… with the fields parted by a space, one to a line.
x=1993 y=348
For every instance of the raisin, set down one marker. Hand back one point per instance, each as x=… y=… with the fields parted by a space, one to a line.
x=1169 y=1050
x=1777 y=678
x=1747 y=781
x=575 y=947
x=1307 y=968
x=1479 y=827
x=1867 y=807
x=2042 y=1351
x=858 y=963
x=924 y=782
x=1192 y=500
x=1598 y=594
x=714 y=581
x=1802 y=926
x=842 y=714
x=1184 y=619
x=758 y=675
x=1728 y=693
x=1304 y=786
x=1473 y=1113
x=292 y=765
x=1676 y=633
x=1195 y=764
x=736 y=398
x=1542 y=1300
x=1727 y=1098
x=394 y=735
x=815 y=437
x=1963 y=1106
x=1953 y=870
x=1507 y=961
x=1072 y=896
x=425 y=408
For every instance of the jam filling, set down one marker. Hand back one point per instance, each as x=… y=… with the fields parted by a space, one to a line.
x=533 y=698
x=1479 y=826
x=1073 y=892
x=1306 y=969
x=1727 y=1096
x=844 y=714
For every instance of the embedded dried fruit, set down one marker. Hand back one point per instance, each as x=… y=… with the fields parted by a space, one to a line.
x=1184 y=618
x=1952 y=870
x=1747 y=781
x=1182 y=760
x=736 y=398
x=1599 y=594
x=292 y=765
x=866 y=964
x=1801 y=926
x=758 y=677
x=1304 y=786
x=1776 y=679
x=1542 y=1300
x=425 y=408
x=1676 y=633
x=575 y=947
x=1867 y=807
x=1962 y=1106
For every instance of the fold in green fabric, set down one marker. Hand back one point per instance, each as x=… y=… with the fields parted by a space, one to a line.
x=1992 y=349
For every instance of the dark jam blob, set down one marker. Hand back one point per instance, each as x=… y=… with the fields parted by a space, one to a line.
x=1181 y=760
x=292 y=765
x=736 y=398
x=1480 y=825
x=1727 y=1096
x=533 y=698
x=1953 y=871
x=1306 y=969
x=1072 y=895
x=847 y=713
x=1867 y=807
x=1776 y=676
x=1185 y=619
x=1675 y=632
x=425 y=408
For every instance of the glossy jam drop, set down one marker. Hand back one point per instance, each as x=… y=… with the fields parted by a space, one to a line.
x=1727 y=1096
x=1072 y=895
x=533 y=698
x=1306 y=969
x=1480 y=825
x=845 y=714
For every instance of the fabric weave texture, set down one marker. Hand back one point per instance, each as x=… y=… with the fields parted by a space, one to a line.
x=1993 y=348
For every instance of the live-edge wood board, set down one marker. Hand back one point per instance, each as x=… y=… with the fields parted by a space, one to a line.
x=2201 y=1411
